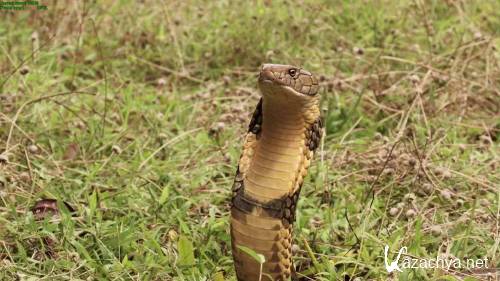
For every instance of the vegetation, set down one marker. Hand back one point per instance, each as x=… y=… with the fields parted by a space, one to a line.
x=134 y=113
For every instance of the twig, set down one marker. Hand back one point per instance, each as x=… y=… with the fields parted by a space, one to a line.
x=105 y=73
x=171 y=71
x=16 y=116
x=351 y=228
x=174 y=36
x=485 y=185
x=23 y=61
x=167 y=144
x=7 y=118
x=371 y=191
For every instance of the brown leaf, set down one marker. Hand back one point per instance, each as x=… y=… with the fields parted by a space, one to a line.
x=71 y=152
x=46 y=207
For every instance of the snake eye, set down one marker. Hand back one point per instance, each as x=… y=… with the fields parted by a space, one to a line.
x=292 y=72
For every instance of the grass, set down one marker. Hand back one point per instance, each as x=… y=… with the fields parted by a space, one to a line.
x=134 y=114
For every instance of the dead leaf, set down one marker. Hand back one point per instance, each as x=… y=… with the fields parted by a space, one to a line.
x=46 y=207
x=71 y=152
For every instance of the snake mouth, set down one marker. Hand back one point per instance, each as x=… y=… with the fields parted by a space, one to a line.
x=265 y=80
x=266 y=76
x=273 y=89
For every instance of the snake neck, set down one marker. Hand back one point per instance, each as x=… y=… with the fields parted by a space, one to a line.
x=281 y=117
x=286 y=117
x=279 y=152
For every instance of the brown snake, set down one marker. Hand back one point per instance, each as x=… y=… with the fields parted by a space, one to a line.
x=283 y=134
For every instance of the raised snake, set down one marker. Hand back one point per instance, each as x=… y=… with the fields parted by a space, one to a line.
x=283 y=134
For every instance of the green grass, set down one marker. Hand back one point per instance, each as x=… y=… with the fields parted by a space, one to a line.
x=134 y=114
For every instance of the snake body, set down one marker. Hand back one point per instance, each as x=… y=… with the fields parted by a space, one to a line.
x=283 y=134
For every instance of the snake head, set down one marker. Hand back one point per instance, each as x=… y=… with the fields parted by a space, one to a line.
x=289 y=79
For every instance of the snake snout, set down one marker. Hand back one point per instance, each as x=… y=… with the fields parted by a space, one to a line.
x=266 y=73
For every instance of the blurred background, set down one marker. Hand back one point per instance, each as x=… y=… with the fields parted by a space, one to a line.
x=130 y=115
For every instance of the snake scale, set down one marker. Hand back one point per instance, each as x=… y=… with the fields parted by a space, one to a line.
x=283 y=134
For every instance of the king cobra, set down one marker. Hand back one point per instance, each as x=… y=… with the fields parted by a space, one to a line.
x=283 y=134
